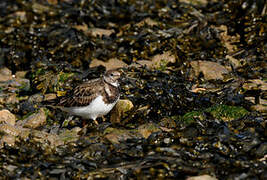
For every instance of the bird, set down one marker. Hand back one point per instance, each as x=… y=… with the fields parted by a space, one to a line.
x=91 y=99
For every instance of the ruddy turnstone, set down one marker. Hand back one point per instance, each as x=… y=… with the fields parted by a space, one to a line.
x=93 y=98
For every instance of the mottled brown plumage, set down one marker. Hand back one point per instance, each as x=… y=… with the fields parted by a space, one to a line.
x=93 y=98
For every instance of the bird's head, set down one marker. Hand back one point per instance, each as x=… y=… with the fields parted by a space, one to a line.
x=112 y=77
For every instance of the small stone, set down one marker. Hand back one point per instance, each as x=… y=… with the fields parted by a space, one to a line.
x=112 y=63
x=68 y=136
x=255 y=84
x=21 y=83
x=118 y=135
x=201 y=177
x=8 y=139
x=35 y=120
x=234 y=62
x=259 y=107
x=210 y=70
x=47 y=139
x=50 y=96
x=7 y=117
x=159 y=61
x=146 y=129
x=94 y=32
x=5 y=74
x=9 y=129
x=98 y=32
x=120 y=110
x=10 y=168
x=167 y=140
x=147 y=21
x=11 y=98
x=36 y=98
x=20 y=74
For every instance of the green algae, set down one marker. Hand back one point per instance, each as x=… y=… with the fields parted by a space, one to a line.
x=221 y=112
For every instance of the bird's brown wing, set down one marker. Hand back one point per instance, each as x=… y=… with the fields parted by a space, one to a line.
x=82 y=95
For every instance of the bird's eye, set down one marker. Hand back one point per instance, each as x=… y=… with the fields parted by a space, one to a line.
x=111 y=74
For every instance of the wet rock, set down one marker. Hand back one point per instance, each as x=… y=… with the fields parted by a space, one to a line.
x=52 y=1
x=10 y=82
x=9 y=98
x=167 y=123
x=7 y=117
x=147 y=129
x=36 y=98
x=50 y=96
x=120 y=110
x=10 y=129
x=68 y=136
x=112 y=63
x=98 y=32
x=255 y=84
x=94 y=32
x=147 y=21
x=260 y=108
x=46 y=139
x=201 y=177
x=35 y=120
x=5 y=74
x=210 y=70
x=21 y=84
x=228 y=41
x=7 y=139
x=20 y=74
x=119 y=135
x=159 y=61
x=233 y=61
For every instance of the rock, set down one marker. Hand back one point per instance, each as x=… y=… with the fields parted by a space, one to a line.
x=255 y=84
x=21 y=83
x=98 y=32
x=20 y=74
x=13 y=83
x=36 y=98
x=120 y=110
x=118 y=135
x=195 y=2
x=7 y=139
x=112 y=63
x=159 y=61
x=95 y=32
x=227 y=40
x=146 y=129
x=54 y=2
x=10 y=129
x=68 y=136
x=46 y=139
x=35 y=120
x=5 y=74
x=50 y=96
x=259 y=107
x=210 y=70
x=11 y=98
x=201 y=177
x=7 y=117
x=233 y=61
x=147 y=21
x=167 y=122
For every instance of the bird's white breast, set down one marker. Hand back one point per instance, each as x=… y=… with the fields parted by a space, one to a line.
x=95 y=109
